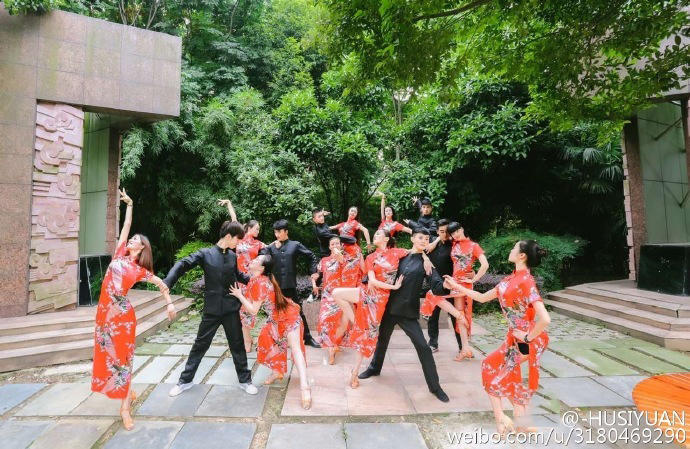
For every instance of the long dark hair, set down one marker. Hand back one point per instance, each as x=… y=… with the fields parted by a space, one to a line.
x=145 y=257
x=267 y=263
x=250 y=224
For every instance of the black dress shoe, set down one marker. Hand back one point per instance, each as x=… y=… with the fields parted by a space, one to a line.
x=312 y=343
x=441 y=395
x=367 y=373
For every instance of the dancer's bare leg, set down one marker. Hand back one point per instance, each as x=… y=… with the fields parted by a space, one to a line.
x=461 y=327
x=354 y=380
x=345 y=298
x=294 y=340
x=503 y=423
x=125 y=408
x=246 y=333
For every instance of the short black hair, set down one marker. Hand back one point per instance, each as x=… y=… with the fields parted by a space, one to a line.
x=443 y=222
x=425 y=202
x=420 y=230
x=316 y=211
x=280 y=224
x=231 y=227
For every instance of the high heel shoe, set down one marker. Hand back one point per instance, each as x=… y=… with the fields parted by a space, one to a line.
x=272 y=378
x=354 y=380
x=505 y=425
x=127 y=421
x=306 y=400
x=464 y=354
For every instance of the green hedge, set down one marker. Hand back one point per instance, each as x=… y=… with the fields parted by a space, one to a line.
x=183 y=286
x=561 y=250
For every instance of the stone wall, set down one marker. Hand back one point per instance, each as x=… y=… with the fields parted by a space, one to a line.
x=92 y=65
x=54 y=257
x=633 y=191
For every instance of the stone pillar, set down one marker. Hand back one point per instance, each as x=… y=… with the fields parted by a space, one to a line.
x=112 y=218
x=54 y=256
x=684 y=105
x=633 y=191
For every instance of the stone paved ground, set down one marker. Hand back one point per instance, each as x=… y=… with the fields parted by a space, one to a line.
x=588 y=368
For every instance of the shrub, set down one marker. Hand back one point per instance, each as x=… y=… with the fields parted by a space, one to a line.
x=561 y=250
x=185 y=285
x=15 y=7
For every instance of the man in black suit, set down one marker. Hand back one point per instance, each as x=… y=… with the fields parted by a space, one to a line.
x=403 y=309
x=219 y=263
x=284 y=253
x=324 y=233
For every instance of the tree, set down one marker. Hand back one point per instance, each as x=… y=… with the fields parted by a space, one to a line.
x=592 y=59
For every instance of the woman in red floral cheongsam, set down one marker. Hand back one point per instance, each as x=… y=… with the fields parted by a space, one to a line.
x=353 y=269
x=371 y=299
x=247 y=249
x=526 y=339
x=283 y=327
x=388 y=222
x=115 y=327
x=464 y=254
x=331 y=319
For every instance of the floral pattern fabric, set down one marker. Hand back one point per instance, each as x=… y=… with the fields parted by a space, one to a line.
x=501 y=372
x=330 y=313
x=247 y=250
x=464 y=254
x=352 y=271
x=372 y=301
x=115 y=327
x=273 y=343
x=392 y=226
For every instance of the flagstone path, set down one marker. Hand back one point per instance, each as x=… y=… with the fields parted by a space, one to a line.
x=586 y=368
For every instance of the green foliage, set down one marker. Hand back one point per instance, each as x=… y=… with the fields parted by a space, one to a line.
x=184 y=284
x=15 y=7
x=586 y=59
x=562 y=250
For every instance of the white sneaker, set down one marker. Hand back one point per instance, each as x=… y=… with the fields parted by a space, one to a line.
x=179 y=388
x=249 y=388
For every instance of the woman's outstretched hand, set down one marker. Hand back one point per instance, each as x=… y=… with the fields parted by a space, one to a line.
x=125 y=198
x=236 y=290
x=398 y=282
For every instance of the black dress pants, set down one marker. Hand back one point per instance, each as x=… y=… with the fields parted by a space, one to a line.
x=433 y=326
x=292 y=294
x=411 y=327
x=207 y=330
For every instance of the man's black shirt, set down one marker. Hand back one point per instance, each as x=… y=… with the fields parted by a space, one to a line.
x=427 y=222
x=440 y=257
x=405 y=300
x=220 y=273
x=285 y=261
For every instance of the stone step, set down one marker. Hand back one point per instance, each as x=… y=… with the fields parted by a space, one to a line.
x=82 y=349
x=80 y=317
x=641 y=316
x=679 y=340
x=645 y=303
x=77 y=333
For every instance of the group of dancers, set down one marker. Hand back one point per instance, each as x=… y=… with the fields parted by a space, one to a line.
x=362 y=299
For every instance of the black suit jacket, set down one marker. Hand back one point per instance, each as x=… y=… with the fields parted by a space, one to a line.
x=220 y=272
x=404 y=302
x=285 y=261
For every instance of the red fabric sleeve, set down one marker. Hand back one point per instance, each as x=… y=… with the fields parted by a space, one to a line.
x=477 y=250
x=121 y=250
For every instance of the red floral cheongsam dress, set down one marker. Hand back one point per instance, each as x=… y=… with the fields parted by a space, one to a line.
x=372 y=302
x=247 y=249
x=352 y=271
x=273 y=343
x=392 y=226
x=115 y=329
x=329 y=313
x=464 y=254
x=501 y=373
